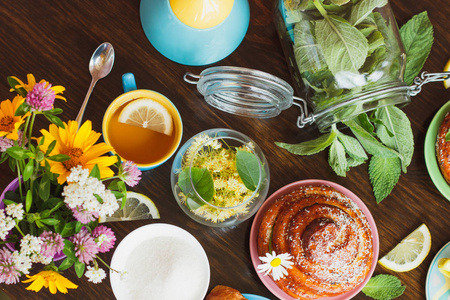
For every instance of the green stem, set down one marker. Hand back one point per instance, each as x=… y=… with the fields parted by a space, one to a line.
x=18 y=229
x=320 y=8
x=33 y=117
x=109 y=267
x=27 y=122
x=20 y=180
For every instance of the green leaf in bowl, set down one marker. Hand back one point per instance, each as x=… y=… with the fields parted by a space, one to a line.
x=247 y=165
x=202 y=180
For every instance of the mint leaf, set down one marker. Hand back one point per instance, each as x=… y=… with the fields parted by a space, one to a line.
x=371 y=144
x=306 y=50
x=352 y=147
x=417 y=38
x=310 y=147
x=336 y=158
x=362 y=9
x=396 y=132
x=202 y=180
x=384 y=174
x=344 y=47
x=247 y=165
x=384 y=287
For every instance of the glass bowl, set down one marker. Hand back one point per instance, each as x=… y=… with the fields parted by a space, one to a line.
x=220 y=177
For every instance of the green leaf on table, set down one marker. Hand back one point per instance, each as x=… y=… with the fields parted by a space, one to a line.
x=66 y=263
x=365 y=122
x=384 y=287
x=202 y=181
x=79 y=268
x=13 y=83
x=370 y=144
x=352 y=147
x=344 y=47
x=401 y=138
x=384 y=174
x=28 y=170
x=337 y=159
x=310 y=147
x=247 y=165
x=362 y=9
x=417 y=38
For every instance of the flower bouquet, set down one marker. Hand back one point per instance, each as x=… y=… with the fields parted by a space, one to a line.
x=50 y=221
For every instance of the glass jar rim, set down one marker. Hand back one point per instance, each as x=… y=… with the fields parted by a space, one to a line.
x=243 y=91
x=260 y=180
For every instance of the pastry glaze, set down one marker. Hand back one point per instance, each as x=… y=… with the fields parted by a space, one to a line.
x=443 y=148
x=221 y=292
x=327 y=235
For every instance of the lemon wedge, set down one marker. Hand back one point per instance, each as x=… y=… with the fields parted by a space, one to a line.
x=410 y=252
x=447 y=69
x=138 y=207
x=149 y=114
x=444 y=266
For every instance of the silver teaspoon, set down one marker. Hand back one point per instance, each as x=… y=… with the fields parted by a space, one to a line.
x=100 y=65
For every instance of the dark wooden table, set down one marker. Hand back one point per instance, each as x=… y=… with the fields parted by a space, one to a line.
x=54 y=40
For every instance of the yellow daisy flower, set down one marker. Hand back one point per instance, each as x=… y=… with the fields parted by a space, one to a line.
x=80 y=145
x=51 y=280
x=58 y=89
x=9 y=123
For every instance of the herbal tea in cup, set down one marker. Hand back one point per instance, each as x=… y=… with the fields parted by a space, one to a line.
x=143 y=126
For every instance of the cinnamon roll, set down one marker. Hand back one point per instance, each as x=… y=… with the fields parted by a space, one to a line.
x=328 y=237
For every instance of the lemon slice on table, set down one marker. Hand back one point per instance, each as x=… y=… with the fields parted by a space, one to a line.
x=410 y=252
x=138 y=207
x=447 y=69
x=148 y=114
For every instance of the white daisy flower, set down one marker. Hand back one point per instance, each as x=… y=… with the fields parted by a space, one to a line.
x=277 y=264
x=95 y=275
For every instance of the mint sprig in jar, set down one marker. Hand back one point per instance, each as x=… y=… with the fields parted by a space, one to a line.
x=346 y=56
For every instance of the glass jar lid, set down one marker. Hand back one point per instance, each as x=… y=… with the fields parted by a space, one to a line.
x=242 y=91
x=256 y=94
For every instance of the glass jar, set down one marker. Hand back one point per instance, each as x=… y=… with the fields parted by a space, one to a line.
x=345 y=56
x=220 y=177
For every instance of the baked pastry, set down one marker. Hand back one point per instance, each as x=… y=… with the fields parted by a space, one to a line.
x=328 y=237
x=443 y=148
x=221 y=292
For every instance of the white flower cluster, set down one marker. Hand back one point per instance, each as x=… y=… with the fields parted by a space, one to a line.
x=81 y=191
x=6 y=223
x=15 y=210
x=30 y=246
x=22 y=262
x=95 y=275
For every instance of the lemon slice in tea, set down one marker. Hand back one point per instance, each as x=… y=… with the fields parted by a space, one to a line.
x=149 y=114
x=410 y=252
x=138 y=207
x=446 y=69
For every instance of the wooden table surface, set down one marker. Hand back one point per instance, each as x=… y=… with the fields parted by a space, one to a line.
x=54 y=40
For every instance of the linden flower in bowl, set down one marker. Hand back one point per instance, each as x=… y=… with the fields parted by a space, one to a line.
x=220 y=177
x=49 y=212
